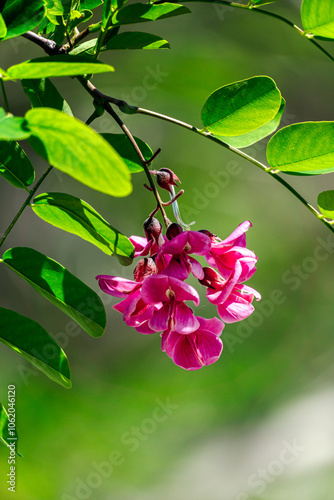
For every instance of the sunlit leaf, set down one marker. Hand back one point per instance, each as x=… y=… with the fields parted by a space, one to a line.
x=28 y=338
x=303 y=148
x=60 y=287
x=326 y=203
x=42 y=93
x=123 y=147
x=256 y=135
x=21 y=16
x=240 y=107
x=15 y=166
x=3 y=27
x=318 y=17
x=7 y=437
x=136 y=40
x=90 y=4
x=76 y=149
x=12 y=127
x=77 y=217
x=61 y=65
x=139 y=12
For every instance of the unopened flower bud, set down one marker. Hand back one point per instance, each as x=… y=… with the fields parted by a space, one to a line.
x=208 y=233
x=152 y=229
x=210 y=276
x=145 y=267
x=173 y=230
x=166 y=178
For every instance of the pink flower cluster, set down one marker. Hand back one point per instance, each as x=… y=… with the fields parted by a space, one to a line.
x=156 y=300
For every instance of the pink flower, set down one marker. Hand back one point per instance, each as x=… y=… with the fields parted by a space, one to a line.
x=153 y=241
x=135 y=311
x=185 y=243
x=233 y=300
x=169 y=294
x=226 y=253
x=198 y=348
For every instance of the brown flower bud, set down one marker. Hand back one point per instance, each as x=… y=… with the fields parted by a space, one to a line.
x=173 y=230
x=166 y=178
x=145 y=267
x=152 y=229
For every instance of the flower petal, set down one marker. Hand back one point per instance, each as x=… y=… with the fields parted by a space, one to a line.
x=235 y=309
x=185 y=353
x=213 y=325
x=238 y=236
x=116 y=286
x=184 y=320
x=160 y=318
x=196 y=268
x=178 y=267
x=209 y=346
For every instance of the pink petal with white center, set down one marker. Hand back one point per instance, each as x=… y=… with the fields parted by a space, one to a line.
x=188 y=242
x=209 y=347
x=160 y=288
x=196 y=268
x=213 y=325
x=184 y=320
x=160 y=319
x=235 y=309
x=185 y=353
x=116 y=286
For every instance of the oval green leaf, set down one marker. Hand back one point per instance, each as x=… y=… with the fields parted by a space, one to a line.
x=240 y=107
x=123 y=147
x=256 y=135
x=21 y=16
x=42 y=93
x=318 y=17
x=60 y=287
x=15 y=166
x=303 y=148
x=77 y=217
x=28 y=338
x=139 y=13
x=136 y=40
x=79 y=151
x=62 y=65
x=326 y=203
x=13 y=127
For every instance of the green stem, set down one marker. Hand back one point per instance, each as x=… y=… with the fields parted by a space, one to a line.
x=263 y=12
x=4 y=96
x=25 y=204
x=255 y=162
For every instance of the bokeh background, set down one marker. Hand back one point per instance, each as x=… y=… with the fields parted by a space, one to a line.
x=258 y=424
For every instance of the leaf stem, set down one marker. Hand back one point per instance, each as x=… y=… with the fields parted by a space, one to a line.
x=25 y=204
x=255 y=162
x=4 y=96
x=253 y=8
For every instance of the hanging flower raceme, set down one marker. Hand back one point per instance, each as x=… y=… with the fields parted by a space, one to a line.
x=155 y=301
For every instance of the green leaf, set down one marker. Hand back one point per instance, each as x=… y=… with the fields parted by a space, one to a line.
x=21 y=16
x=84 y=47
x=139 y=12
x=318 y=17
x=84 y=15
x=77 y=217
x=5 y=437
x=3 y=30
x=3 y=74
x=256 y=135
x=54 y=9
x=90 y=4
x=263 y=2
x=15 y=166
x=13 y=127
x=240 y=107
x=62 y=65
x=326 y=203
x=303 y=148
x=123 y=147
x=137 y=40
x=79 y=151
x=42 y=93
x=60 y=287
x=28 y=338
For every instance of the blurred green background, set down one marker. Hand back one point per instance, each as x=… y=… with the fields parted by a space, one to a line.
x=225 y=429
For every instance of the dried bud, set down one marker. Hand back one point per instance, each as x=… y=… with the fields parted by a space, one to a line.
x=166 y=178
x=173 y=230
x=152 y=229
x=145 y=267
